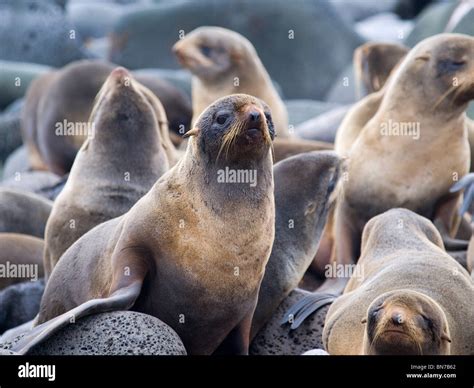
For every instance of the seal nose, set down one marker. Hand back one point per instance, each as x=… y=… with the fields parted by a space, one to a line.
x=120 y=72
x=254 y=116
x=398 y=318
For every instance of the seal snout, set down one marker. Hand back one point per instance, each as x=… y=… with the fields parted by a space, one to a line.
x=119 y=73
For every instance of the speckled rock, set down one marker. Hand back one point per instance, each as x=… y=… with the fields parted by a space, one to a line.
x=10 y=135
x=275 y=339
x=38 y=32
x=44 y=183
x=295 y=43
x=111 y=334
x=19 y=303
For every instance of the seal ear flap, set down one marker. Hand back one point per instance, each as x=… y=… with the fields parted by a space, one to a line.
x=192 y=132
x=364 y=320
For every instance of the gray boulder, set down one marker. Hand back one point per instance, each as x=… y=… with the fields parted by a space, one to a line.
x=322 y=43
x=19 y=303
x=38 y=32
x=111 y=334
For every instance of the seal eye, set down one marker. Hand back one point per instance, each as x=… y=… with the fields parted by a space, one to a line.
x=206 y=51
x=450 y=66
x=222 y=118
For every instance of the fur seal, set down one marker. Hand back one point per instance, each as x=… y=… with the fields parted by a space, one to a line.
x=115 y=167
x=224 y=62
x=303 y=186
x=65 y=97
x=386 y=169
x=21 y=258
x=192 y=251
x=374 y=62
x=412 y=297
x=23 y=212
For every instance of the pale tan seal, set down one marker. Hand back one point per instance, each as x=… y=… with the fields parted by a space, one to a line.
x=21 y=258
x=416 y=166
x=192 y=251
x=407 y=295
x=224 y=62
x=114 y=168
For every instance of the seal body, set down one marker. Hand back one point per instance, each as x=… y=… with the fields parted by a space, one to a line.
x=21 y=258
x=406 y=296
x=303 y=187
x=193 y=250
x=114 y=168
x=23 y=212
x=65 y=98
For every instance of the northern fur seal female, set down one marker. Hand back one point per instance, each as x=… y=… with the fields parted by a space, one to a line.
x=21 y=258
x=407 y=295
x=224 y=62
x=192 y=251
x=23 y=212
x=391 y=162
x=115 y=167
x=303 y=187
x=64 y=98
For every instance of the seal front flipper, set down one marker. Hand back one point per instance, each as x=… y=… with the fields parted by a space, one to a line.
x=305 y=307
x=466 y=183
x=122 y=299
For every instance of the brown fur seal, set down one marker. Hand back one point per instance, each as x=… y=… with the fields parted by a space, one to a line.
x=224 y=62
x=21 y=258
x=23 y=212
x=114 y=168
x=65 y=98
x=374 y=62
x=192 y=251
x=386 y=170
x=406 y=296
x=303 y=185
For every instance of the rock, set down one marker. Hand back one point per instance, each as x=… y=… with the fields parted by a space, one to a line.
x=93 y=19
x=38 y=32
x=296 y=44
x=44 y=183
x=10 y=133
x=275 y=339
x=316 y=352
x=470 y=110
x=323 y=127
x=5 y=352
x=15 y=78
x=343 y=89
x=431 y=21
x=386 y=27
x=19 y=303
x=301 y=110
x=359 y=10
x=17 y=161
x=111 y=334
